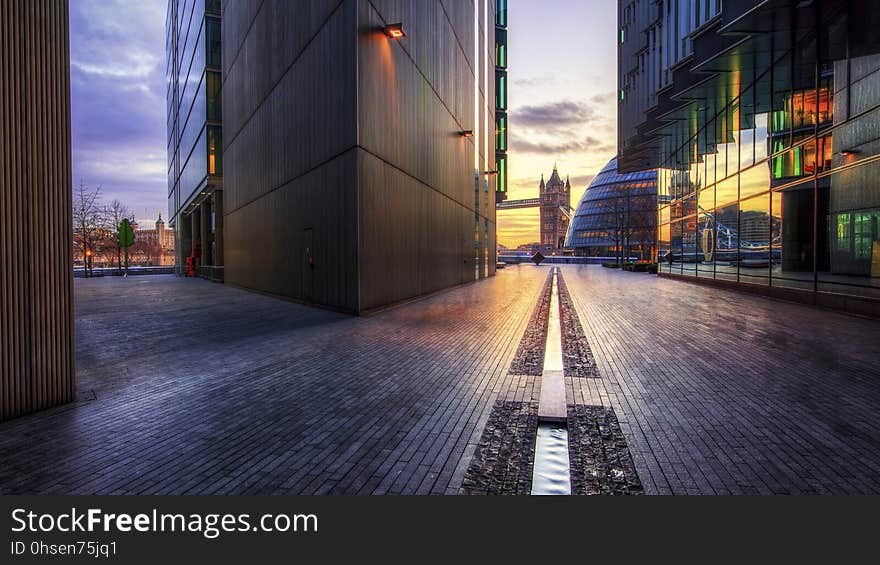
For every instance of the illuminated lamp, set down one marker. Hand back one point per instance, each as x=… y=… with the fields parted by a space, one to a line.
x=395 y=31
x=466 y=133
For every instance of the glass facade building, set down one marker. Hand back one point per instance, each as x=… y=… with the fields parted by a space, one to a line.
x=195 y=146
x=762 y=122
x=617 y=216
x=501 y=99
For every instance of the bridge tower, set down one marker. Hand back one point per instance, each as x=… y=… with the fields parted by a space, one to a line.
x=555 y=201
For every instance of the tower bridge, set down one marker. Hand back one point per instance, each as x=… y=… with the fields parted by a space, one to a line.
x=554 y=201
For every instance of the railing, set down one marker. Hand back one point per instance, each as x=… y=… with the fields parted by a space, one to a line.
x=559 y=259
x=79 y=272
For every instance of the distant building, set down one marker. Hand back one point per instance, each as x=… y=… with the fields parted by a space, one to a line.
x=529 y=248
x=157 y=245
x=617 y=216
x=555 y=211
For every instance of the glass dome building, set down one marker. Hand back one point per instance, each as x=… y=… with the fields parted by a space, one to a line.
x=618 y=212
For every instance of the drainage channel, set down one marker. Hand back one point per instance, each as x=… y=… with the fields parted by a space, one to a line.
x=551 y=474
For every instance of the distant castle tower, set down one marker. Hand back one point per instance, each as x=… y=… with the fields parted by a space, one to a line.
x=555 y=210
x=160 y=228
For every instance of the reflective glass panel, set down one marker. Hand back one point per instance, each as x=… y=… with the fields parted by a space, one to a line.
x=754 y=239
x=726 y=233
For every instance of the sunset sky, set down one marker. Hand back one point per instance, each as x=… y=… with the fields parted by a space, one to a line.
x=562 y=57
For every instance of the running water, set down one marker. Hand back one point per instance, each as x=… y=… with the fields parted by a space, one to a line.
x=551 y=474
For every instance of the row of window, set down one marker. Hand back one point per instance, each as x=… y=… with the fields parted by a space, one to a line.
x=501 y=98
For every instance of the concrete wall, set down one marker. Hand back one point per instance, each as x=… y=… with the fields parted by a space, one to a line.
x=333 y=132
x=36 y=280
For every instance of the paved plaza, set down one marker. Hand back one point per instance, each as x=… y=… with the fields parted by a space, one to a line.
x=191 y=387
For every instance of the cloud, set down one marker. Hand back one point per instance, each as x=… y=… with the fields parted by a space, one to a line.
x=518 y=226
x=563 y=127
x=118 y=120
x=561 y=114
x=605 y=98
x=528 y=82
x=559 y=146
x=581 y=181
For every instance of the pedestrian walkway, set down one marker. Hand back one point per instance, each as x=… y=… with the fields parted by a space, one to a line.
x=192 y=387
x=720 y=392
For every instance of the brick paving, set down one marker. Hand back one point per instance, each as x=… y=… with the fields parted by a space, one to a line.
x=577 y=359
x=529 y=359
x=206 y=389
x=719 y=392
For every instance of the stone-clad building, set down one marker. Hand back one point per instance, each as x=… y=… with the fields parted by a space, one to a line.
x=157 y=243
x=555 y=211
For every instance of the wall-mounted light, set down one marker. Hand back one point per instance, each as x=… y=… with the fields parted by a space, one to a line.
x=466 y=133
x=395 y=31
x=848 y=152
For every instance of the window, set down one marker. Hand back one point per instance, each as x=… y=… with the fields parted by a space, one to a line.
x=215 y=151
x=862 y=235
x=501 y=91
x=843 y=233
x=213 y=96
x=501 y=13
x=213 y=43
x=500 y=48
x=501 y=133
x=502 y=174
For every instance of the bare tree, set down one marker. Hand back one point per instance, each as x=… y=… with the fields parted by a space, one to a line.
x=114 y=213
x=88 y=223
x=617 y=213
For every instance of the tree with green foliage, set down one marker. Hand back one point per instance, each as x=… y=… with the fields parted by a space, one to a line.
x=125 y=238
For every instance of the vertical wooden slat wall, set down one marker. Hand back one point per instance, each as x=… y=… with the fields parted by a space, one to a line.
x=36 y=271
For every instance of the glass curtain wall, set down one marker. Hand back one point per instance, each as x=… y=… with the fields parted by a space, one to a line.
x=778 y=181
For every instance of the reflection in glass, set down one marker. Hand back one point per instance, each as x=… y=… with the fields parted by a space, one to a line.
x=675 y=247
x=754 y=239
x=762 y=137
x=664 y=249
x=775 y=234
x=754 y=181
x=705 y=244
x=726 y=233
x=727 y=191
x=690 y=252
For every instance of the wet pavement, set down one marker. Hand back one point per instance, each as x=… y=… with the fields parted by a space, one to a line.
x=193 y=387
